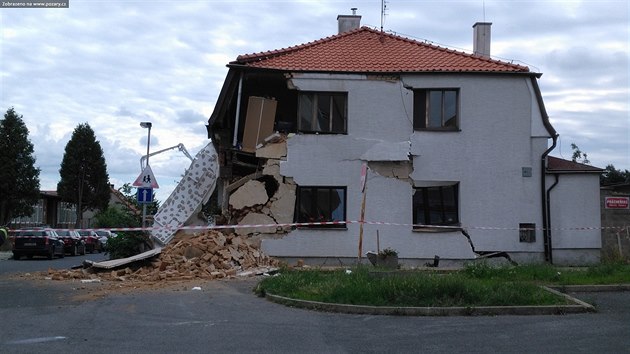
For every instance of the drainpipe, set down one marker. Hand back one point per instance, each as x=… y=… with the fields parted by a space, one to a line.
x=548 y=228
x=543 y=169
x=545 y=201
x=238 y=109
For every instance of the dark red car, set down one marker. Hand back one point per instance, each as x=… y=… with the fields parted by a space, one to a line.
x=92 y=241
x=73 y=242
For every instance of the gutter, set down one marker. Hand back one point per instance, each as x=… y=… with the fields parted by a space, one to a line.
x=543 y=173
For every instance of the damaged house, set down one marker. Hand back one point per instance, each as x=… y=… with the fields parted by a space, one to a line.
x=456 y=147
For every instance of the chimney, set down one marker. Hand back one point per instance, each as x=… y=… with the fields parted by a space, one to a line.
x=481 y=39
x=349 y=22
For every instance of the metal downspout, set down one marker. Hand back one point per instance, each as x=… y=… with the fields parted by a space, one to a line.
x=545 y=211
x=549 y=241
x=543 y=168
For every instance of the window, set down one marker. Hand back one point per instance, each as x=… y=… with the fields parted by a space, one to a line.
x=37 y=218
x=66 y=214
x=436 y=206
x=320 y=204
x=322 y=112
x=435 y=109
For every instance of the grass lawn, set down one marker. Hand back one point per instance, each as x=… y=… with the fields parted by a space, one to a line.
x=476 y=285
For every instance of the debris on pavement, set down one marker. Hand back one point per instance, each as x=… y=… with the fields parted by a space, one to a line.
x=206 y=255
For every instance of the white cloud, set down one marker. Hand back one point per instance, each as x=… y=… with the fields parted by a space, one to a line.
x=114 y=64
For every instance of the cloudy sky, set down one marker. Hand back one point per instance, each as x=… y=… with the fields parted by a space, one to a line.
x=116 y=63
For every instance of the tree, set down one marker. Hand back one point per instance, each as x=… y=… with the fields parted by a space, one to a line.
x=84 y=179
x=19 y=179
x=578 y=155
x=113 y=217
x=612 y=175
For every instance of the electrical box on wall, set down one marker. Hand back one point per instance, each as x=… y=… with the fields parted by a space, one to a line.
x=527 y=232
x=527 y=171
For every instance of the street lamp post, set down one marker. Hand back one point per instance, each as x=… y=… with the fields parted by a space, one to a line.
x=147 y=125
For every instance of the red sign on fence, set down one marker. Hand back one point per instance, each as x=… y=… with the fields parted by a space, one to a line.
x=617 y=202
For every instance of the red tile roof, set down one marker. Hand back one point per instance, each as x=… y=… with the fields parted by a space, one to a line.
x=366 y=50
x=555 y=164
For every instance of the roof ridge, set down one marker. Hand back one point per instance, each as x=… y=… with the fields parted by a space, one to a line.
x=257 y=56
x=448 y=50
x=276 y=52
x=365 y=49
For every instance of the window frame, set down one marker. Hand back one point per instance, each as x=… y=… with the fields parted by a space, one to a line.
x=316 y=96
x=428 y=210
x=422 y=110
x=299 y=215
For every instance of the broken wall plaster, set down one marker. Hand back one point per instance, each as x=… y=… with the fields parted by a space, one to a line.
x=272 y=168
x=272 y=151
x=256 y=219
x=251 y=193
x=392 y=169
x=278 y=208
x=282 y=209
x=388 y=151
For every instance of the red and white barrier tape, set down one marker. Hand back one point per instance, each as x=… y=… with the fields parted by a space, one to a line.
x=302 y=224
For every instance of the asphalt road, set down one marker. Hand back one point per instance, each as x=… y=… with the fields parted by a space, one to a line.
x=24 y=265
x=225 y=317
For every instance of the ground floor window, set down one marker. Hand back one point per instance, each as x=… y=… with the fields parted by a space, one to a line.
x=436 y=206
x=36 y=219
x=321 y=204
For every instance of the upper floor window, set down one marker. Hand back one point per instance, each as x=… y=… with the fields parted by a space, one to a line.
x=322 y=112
x=321 y=204
x=436 y=109
x=436 y=206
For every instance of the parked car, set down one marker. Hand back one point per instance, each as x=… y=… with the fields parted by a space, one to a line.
x=92 y=241
x=37 y=242
x=73 y=242
x=104 y=236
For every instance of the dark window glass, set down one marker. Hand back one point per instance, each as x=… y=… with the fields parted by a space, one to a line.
x=435 y=109
x=305 y=107
x=322 y=113
x=435 y=206
x=321 y=204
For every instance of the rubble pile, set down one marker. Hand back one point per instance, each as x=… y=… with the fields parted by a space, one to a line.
x=207 y=255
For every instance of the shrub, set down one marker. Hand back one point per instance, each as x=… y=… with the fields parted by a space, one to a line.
x=126 y=244
x=388 y=252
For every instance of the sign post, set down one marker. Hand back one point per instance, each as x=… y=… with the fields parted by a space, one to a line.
x=146 y=183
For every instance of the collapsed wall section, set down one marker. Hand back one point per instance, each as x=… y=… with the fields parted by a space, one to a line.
x=267 y=198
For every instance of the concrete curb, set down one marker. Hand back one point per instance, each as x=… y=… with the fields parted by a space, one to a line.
x=591 y=288
x=578 y=307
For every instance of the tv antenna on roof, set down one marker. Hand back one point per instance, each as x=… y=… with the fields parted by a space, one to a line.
x=383 y=12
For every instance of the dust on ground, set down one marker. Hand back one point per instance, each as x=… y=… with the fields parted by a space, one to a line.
x=188 y=263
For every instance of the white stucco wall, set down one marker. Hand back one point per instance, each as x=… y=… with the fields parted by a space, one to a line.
x=575 y=212
x=498 y=119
